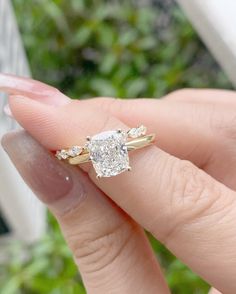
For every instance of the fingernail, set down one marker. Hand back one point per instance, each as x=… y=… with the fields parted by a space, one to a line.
x=7 y=111
x=33 y=89
x=45 y=175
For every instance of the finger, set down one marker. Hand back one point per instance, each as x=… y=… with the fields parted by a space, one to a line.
x=111 y=250
x=203 y=133
x=206 y=96
x=214 y=291
x=173 y=199
x=133 y=111
x=33 y=89
x=211 y=130
x=174 y=124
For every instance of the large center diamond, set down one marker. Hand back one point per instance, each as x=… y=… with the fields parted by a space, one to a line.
x=108 y=153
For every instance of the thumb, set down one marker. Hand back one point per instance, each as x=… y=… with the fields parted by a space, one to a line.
x=110 y=249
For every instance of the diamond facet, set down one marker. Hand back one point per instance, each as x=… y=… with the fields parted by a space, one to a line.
x=74 y=151
x=108 y=153
x=137 y=132
x=62 y=154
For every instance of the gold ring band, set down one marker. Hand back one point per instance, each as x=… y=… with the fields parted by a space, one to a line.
x=108 y=150
x=131 y=145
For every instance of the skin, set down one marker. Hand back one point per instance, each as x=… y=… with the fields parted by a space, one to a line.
x=181 y=189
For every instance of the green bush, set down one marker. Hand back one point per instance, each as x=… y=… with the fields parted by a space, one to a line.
x=97 y=48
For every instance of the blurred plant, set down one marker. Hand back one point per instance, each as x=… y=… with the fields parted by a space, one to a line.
x=100 y=48
x=45 y=267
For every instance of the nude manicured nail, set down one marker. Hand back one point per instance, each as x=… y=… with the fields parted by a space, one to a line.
x=7 y=111
x=33 y=89
x=45 y=175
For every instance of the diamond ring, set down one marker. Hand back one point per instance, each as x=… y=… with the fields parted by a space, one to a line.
x=108 y=151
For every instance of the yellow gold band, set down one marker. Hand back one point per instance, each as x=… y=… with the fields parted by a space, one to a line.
x=131 y=145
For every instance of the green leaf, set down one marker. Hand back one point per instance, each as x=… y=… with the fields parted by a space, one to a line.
x=103 y=87
x=147 y=43
x=57 y=14
x=106 y=35
x=108 y=63
x=136 y=87
x=38 y=266
x=82 y=36
x=127 y=37
x=12 y=286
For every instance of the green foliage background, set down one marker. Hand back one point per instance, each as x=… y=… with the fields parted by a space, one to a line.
x=98 y=48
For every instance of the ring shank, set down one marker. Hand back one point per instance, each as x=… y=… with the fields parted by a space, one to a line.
x=140 y=142
x=131 y=145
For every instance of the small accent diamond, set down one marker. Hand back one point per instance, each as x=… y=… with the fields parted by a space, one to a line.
x=62 y=154
x=74 y=151
x=137 y=132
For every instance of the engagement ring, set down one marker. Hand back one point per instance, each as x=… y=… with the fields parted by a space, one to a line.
x=108 y=151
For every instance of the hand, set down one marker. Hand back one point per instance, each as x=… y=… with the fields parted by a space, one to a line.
x=186 y=199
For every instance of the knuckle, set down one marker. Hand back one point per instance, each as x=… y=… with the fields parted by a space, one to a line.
x=180 y=93
x=107 y=103
x=192 y=196
x=193 y=184
x=225 y=127
x=222 y=121
x=91 y=119
x=108 y=122
x=95 y=252
x=117 y=105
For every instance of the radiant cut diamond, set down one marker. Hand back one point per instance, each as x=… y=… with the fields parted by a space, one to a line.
x=108 y=153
